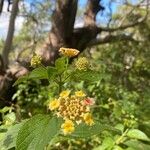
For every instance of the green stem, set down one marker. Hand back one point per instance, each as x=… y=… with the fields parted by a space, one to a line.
x=120 y=139
x=67 y=62
x=66 y=78
x=60 y=84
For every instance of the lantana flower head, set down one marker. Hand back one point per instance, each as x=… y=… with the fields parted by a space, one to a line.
x=73 y=109
x=69 y=52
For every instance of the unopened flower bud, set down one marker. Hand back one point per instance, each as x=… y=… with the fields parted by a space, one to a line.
x=36 y=60
x=82 y=63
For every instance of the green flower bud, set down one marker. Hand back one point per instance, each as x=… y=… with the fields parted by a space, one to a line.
x=36 y=61
x=82 y=63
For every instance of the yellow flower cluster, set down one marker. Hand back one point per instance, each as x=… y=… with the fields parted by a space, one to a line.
x=69 y=52
x=36 y=60
x=82 y=63
x=73 y=109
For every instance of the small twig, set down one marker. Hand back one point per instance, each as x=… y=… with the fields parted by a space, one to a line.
x=120 y=139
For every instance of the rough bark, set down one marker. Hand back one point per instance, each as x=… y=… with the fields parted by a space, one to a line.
x=93 y=7
x=6 y=89
x=82 y=36
x=10 y=34
x=2 y=71
x=1 y=6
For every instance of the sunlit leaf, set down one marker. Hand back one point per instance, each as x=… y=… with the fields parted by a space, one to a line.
x=60 y=64
x=51 y=71
x=37 y=132
x=39 y=73
x=21 y=79
x=137 y=134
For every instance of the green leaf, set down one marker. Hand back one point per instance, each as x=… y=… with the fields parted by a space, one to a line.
x=51 y=71
x=130 y=148
x=5 y=109
x=10 y=118
x=3 y=129
x=39 y=73
x=108 y=144
x=137 y=145
x=21 y=79
x=120 y=127
x=90 y=76
x=61 y=64
x=84 y=131
x=37 y=132
x=9 y=138
x=116 y=147
x=137 y=134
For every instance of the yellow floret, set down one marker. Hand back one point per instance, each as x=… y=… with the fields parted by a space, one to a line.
x=80 y=94
x=54 y=104
x=64 y=94
x=69 y=52
x=88 y=119
x=68 y=127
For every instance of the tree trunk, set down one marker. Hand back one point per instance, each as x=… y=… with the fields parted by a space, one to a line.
x=7 y=78
x=1 y=6
x=63 y=19
x=10 y=34
x=63 y=32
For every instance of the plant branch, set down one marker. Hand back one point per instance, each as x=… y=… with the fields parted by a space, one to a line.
x=111 y=38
